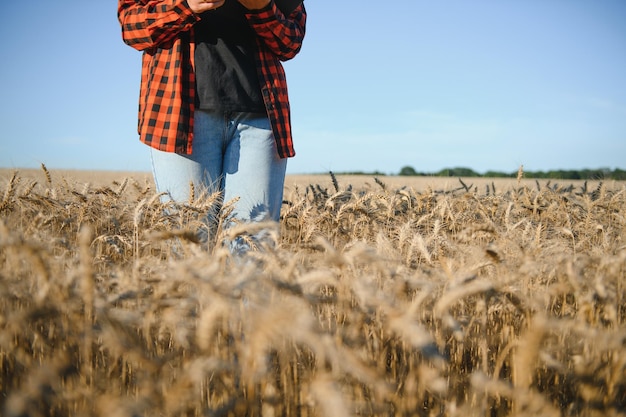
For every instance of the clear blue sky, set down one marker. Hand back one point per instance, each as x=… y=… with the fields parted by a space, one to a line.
x=484 y=84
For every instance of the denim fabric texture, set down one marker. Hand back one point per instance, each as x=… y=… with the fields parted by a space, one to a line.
x=233 y=153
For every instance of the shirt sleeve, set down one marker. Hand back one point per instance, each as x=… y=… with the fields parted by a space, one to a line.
x=282 y=35
x=149 y=24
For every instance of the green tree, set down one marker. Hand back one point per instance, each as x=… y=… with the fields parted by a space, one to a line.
x=407 y=171
x=457 y=172
x=618 y=174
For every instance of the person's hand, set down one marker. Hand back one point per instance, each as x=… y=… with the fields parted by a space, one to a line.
x=254 y=4
x=200 y=6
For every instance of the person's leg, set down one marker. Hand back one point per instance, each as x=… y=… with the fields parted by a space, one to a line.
x=253 y=171
x=173 y=173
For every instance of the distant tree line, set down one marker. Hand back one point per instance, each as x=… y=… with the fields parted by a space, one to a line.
x=561 y=174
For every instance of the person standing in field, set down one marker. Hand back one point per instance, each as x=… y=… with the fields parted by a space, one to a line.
x=213 y=105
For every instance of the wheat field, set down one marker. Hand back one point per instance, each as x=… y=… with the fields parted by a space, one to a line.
x=381 y=297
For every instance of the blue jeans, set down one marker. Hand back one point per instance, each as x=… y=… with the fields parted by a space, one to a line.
x=233 y=153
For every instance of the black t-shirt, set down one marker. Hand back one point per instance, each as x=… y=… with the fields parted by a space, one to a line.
x=226 y=75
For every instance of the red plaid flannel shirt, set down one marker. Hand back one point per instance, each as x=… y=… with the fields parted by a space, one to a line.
x=163 y=30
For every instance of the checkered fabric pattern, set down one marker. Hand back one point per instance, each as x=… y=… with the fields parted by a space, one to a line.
x=163 y=30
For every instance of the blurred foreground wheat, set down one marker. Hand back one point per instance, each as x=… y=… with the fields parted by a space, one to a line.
x=374 y=302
